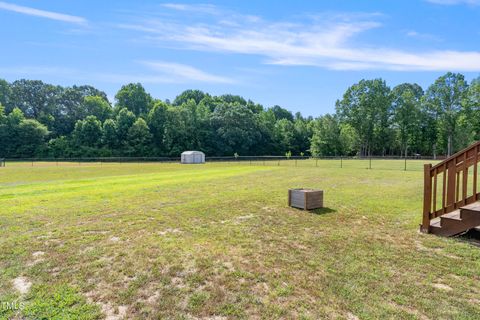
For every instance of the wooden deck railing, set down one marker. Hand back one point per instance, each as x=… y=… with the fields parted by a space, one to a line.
x=451 y=176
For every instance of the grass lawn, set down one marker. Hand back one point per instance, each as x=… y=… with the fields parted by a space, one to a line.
x=150 y=241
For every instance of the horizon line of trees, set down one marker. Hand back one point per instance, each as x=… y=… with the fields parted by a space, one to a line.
x=43 y=120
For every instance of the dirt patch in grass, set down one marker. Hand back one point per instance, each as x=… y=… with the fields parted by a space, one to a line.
x=22 y=285
x=169 y=230
x=441 y=286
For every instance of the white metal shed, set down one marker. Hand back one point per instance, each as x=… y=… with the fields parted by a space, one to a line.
x=193 y=157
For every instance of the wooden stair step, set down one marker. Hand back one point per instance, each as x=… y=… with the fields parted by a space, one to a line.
x=454 y=215
x=457 y=221
x=472 y=207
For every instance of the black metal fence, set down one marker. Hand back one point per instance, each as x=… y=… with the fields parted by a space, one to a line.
x=373 y=162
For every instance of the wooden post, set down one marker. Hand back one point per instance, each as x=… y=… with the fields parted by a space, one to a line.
x=427 y=198
x=289 y=197
x=475 y=160
x=451 y=184
x=341 y=162
x=405 y=168
x=434 y=190
x=444 y=189
x=464 y=179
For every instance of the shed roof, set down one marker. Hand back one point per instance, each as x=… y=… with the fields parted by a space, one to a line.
x=192 y=152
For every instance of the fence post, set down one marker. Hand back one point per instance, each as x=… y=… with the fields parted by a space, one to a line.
x=405 y=169
x=341 y=162
x=427 y=198
x=370 y=162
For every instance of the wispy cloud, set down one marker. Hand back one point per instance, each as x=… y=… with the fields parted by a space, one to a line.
x=455 y=2
x=42 y=13
x=199 y=8
x=184 y=73
x=155 y=72
x=422 y=36
x=331 y=41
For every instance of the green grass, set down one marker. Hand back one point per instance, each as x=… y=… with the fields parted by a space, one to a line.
x=151 y=241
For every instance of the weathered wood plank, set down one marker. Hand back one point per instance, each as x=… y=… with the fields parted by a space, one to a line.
x=306 y=199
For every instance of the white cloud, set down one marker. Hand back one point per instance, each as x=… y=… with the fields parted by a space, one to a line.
x=455 y=2
x=199 y=8
x=329 y=41
x=158 y=72
x=423 y=36
x=184 y=73
x=42 y=13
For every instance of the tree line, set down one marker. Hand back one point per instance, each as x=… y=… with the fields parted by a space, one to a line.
x=43 y=120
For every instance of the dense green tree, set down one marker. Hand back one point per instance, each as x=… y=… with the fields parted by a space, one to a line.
x=236 y=129
x=233 y=99
x=444 y=98
x=285 y=135
x=472 y=107
x=110 y=135
x=125 y=119
x=88 y=132
x=134 y=98
x=325 y=139
x=33 y=97
x=349 y=140
x=281 y=113
x=267 y=143
x=5 y=92
x=32 y=136
x=59 y=147
x=195 y=95
x=181 y=128
x=303 y=134
x=156 y=120
x=71 y=107
x=406 y=101
x=138 y=139
x=370 y=119
x=3 y=116
x=20 y=137
x=366 y=107
x=98 y=107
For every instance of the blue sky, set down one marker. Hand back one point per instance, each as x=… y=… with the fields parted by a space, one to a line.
x=301 y=55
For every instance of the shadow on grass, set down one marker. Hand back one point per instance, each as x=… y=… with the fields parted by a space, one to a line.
x=322 y=211
x=472 y=237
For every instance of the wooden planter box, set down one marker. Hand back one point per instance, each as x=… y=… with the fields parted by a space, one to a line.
x=305 y=199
